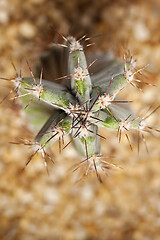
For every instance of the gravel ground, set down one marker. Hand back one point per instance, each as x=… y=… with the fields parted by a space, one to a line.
x=36 y=206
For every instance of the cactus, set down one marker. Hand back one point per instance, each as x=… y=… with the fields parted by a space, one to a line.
x=81 y=103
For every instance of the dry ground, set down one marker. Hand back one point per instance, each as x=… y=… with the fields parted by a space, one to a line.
x=34 y=206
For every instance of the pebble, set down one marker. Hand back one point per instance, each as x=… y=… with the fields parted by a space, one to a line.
x=27 y=30
x=141 y=32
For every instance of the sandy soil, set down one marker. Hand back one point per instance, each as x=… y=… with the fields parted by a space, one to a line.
x=36 y=206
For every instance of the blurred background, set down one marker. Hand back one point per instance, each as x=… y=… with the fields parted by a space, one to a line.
x=36 y=206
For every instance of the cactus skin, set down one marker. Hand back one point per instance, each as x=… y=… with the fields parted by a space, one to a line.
x=81 y=104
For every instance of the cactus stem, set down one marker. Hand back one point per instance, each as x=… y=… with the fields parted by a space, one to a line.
x=75 y=109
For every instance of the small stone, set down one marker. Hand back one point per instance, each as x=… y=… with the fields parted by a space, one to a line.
x=27 y=30
x=4 y=11
x=141 y=32
x=4 y=18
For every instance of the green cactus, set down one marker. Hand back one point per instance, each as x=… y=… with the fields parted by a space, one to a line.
x=81 y=103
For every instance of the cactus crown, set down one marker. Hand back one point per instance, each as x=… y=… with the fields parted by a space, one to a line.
x=81 y=104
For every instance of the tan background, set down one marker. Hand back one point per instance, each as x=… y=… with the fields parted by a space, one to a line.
x=34 y=206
